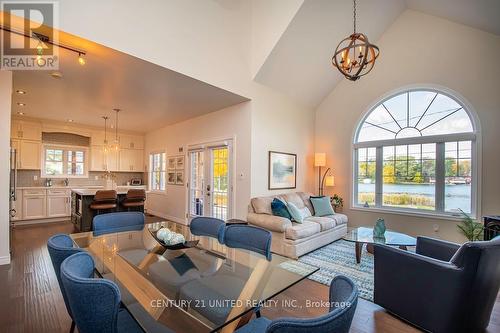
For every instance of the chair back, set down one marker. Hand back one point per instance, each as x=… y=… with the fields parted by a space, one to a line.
x=94 y=302
x=249 y=238
x=481 y=261
x=136 y=195
x=60 y=247
x=208 y=226
x=117 y=222
x=105 y=196
x=343 y=302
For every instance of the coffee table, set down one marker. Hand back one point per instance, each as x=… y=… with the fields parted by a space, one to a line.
x=364 y=235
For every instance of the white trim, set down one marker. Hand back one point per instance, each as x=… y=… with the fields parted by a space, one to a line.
x=417 y=140
x=409 y=212
x=5 y=260
x=42 y=220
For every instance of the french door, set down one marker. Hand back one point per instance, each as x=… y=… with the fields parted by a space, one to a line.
x=210 y=181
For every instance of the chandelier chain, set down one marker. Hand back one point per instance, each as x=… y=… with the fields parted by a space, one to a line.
x=354 y=14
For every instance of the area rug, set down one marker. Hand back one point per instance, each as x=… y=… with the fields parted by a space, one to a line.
x=338 y=258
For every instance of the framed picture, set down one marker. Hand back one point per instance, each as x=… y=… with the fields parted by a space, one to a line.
x=282 y=170
x=179 y=163
x=171 y=163
x=171 y=178
x=179 y=178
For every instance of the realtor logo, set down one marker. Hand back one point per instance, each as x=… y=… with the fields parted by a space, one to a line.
x=28 y=34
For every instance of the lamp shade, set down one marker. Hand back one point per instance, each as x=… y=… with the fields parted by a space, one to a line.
x=329 y=181
x=319 y=159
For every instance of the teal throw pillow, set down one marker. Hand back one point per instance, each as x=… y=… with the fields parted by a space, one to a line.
x=322 y=206
x=279 y=209
x=298 y=214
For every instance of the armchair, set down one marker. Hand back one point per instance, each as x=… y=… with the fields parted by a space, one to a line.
x=443 y=287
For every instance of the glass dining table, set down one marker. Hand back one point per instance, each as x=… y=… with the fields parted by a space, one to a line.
x=206 y=288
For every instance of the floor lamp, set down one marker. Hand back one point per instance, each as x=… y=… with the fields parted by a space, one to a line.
x=323 y=178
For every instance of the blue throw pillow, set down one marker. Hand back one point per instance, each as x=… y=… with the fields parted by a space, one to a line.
x=279 y=209
x=322 y=206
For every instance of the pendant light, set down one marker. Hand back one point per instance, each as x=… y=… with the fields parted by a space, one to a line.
x=116 y=144
x=105 y=147
x=355 y=56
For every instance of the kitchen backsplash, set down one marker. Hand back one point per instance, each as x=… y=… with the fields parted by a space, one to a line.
x=26 y=178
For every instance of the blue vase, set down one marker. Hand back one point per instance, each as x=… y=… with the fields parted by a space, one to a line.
x=379 y=229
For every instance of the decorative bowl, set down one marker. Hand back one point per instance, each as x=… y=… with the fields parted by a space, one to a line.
x=177 y=246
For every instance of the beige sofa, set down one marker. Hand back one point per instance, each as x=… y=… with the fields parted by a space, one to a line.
x=295 y=239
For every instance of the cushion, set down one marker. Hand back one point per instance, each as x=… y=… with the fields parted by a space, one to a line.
x=295 y=199
x=262 y=205
x=324 y=222
x=255 y=325
x=302 y=230
x=298 y=214
x=305 y=198
x=279 y=209
x=339 y=218
x=322 y=206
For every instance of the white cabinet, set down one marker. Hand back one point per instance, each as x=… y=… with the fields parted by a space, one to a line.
x=26 y=130
x=34 y=204
x=131 y=160
x=131 y=141
x=29 y=155
x=40 y=203
x=58 y=206
x=103 y=161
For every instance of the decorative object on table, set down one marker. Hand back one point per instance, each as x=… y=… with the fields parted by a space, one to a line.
x=355 y=56
x=322 y=206
x=471 y=229
x=179 y=178
x=326 y=178
x=379 y=229
x=337 y=202
x=282 y=171
x=171 y=240
x=110 y=180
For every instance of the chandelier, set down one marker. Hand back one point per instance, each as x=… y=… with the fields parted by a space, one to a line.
x=355 y=56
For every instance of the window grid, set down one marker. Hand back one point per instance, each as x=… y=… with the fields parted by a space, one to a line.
x=157 y=167
x=64 y=162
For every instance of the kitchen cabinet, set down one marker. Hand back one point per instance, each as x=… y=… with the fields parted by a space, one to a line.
x=102 y=161
x=131 y=141
x=131 y=160
x=29 y=155
x=34 y=204
x=58 y=206
x=26 y=130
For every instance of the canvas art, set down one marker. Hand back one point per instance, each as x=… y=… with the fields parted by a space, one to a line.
x=171 y=163
x=171 y=178
x=282 y=170
x=179 y=178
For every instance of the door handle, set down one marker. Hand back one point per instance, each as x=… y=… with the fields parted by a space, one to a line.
x=208 y=190
x=13 y=212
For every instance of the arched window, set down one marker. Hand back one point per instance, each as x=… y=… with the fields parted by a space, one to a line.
x=416 y=151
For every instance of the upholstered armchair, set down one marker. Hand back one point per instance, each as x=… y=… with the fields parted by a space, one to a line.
x=443 y=287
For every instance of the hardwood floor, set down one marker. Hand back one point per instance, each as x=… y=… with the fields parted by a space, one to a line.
x=30 y=299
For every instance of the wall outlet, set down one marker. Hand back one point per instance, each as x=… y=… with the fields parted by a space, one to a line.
x=435 y=227
x=35 y=177
x=96 y=177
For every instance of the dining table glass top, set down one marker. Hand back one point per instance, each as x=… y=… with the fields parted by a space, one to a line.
x=205 y=288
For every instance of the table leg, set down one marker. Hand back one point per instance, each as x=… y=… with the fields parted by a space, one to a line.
x=359 y=248
x=403 y=247
x=369 y=248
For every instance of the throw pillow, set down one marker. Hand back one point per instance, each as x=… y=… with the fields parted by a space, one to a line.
x=322 y=206
x=279 y=209
x=298 y=214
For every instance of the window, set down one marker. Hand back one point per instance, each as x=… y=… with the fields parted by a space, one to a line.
x=415 y=152
x=64 y=162
x=157 y=166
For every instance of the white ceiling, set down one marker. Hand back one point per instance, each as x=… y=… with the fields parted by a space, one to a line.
x=150 y=96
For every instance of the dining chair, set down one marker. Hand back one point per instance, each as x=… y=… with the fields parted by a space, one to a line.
x=134 y=200
x=60 y=247
x=248 y=237
x=343 y=302
x=117 y=222
x=208 y=226
x=94 y=303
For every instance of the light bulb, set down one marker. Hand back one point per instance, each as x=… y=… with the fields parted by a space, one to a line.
x=39 y=60
x=81 y=60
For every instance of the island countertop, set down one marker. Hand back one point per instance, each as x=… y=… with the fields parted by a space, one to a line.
x=92 y=191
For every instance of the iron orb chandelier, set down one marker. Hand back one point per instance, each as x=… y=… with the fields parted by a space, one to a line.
x=355 y=56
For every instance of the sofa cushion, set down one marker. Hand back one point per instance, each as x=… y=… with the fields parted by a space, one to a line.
x=302 y=230
x=262 y=205
x=307 y=202
x=295 y=199
x=298 y=214
x=279 y=209
x=324 y=222
x=322 y=206
x=339 y=218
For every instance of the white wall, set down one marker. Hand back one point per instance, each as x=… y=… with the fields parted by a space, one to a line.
x=419 y=49
x=5 y=107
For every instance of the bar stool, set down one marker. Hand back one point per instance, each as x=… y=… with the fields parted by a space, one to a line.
x=134 y=199
x=104 y=200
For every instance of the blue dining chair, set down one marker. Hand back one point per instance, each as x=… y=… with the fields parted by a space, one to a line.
x=249 y=238
x=94 y=303
x=208 y=226
x=60 y=247
x=343 y=302
x=117 y=222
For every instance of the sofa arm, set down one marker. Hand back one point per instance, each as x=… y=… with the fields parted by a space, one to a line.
x=269 y=222
x=424 y=291
x=435 y=248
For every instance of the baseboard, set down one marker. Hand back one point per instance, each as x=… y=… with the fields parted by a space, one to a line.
x=167 y=217
x=5 y=260
x=55 y=219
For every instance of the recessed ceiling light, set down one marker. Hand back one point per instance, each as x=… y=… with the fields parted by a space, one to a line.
x=21 y=92
x=56 y=75
x=20 y=113
x=70 y=120
x=21 y=104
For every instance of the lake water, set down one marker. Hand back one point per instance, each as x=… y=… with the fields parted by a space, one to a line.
x=456 y=196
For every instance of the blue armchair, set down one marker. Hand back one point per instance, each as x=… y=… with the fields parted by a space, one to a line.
x=95 y=303
x=208 y=226
x=117 y=222
x=60 y=247
x=443 y=287
x=343 y=302
x=250 y=238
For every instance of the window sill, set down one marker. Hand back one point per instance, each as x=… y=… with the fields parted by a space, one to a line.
x=433 y=215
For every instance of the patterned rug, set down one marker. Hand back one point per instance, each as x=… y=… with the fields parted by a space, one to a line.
x=338 y=258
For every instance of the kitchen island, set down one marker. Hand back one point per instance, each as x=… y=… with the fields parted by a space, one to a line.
x=81 y=213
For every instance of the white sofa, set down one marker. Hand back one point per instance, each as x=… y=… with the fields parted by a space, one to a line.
x=293 y=239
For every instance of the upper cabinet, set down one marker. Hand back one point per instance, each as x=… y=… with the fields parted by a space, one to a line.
x=26 y=130
x=131 y=141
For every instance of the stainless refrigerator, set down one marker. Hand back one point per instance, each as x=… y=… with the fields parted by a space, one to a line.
x=12 y=194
